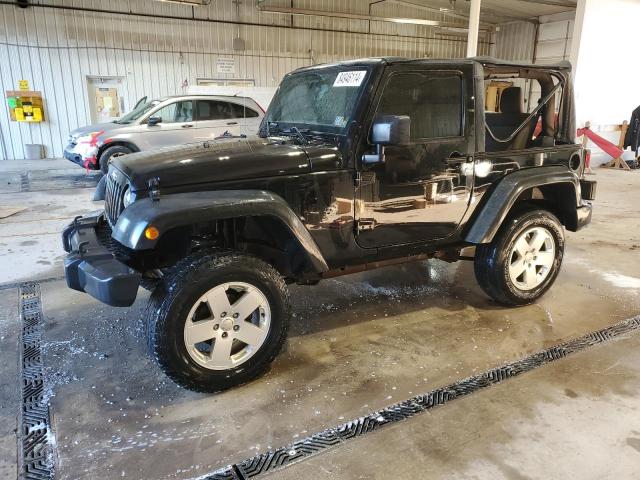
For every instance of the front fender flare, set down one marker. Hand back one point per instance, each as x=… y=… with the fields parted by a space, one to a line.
x=100 y=190
x=182 y=209
x=492 y=212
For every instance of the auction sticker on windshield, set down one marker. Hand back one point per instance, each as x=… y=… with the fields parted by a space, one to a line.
x=350 y=79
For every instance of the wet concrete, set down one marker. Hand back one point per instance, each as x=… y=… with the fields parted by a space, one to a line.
x=9 y=381
x=357 y=344
x=52 y=193
x=574 y=418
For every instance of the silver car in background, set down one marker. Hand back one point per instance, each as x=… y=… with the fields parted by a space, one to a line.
x=163 y=122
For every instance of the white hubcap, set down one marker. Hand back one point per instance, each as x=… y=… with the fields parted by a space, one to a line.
x=227 y=325
x=531 y=258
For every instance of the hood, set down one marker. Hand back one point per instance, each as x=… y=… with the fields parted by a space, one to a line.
x=223 y=160
x=98 y=127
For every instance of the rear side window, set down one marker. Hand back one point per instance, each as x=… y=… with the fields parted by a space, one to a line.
x=433 y=100
x=218 y=110
x=240 y=111
x=213 y=110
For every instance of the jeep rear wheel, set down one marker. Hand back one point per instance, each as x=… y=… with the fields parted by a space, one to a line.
x=523 y=260
x=217 y=320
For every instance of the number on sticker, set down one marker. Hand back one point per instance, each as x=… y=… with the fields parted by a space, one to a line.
x=350 y=79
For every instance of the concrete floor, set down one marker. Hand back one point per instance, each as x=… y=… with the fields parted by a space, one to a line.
x=51 y=192
x=357 y=344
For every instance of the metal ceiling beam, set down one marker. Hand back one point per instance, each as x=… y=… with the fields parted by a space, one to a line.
x=552 y=3
x=451 y=13
x=502 y=18
x=128 y=13
x=358 y=16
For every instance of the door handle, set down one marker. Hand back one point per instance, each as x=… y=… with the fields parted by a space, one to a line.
x=232 y=123
x=188 y=125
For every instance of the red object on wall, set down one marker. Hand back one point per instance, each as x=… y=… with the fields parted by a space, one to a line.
x=609 y=148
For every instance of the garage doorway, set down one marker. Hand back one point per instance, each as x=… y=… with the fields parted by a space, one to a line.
x=106 y=98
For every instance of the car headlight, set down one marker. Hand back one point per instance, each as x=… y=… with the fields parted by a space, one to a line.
x=129 y=198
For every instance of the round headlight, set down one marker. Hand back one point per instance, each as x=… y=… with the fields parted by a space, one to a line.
x=128 y=198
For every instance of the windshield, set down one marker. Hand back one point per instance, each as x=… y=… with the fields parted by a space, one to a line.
x=137 y=112
x=322 y=99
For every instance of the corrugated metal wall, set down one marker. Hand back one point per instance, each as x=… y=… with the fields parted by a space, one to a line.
x=515 y=41
x=57 y=49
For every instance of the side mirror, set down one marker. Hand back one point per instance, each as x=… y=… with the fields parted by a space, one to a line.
x=388 y=130
x=153 y=121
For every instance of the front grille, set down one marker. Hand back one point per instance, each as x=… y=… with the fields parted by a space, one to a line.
x=114 y=196
x=104 y=232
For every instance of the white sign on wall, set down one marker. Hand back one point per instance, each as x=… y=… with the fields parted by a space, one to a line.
x=226 y=65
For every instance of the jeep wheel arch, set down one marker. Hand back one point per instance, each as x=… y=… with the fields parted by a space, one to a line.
x=553 y=187
x=182 y=210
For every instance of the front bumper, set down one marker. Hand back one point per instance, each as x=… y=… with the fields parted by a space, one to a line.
x=93 y=269
x=86 y=161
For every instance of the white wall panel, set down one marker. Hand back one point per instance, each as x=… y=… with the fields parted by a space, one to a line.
x=554 y=38
x=515 y=41
x=57 y=49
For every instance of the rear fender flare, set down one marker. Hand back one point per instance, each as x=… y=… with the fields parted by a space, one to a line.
x=493 y=210
x=183 y=209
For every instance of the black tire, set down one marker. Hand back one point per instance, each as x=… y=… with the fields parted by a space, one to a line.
x=491 y=263
x=177 y=292
x=109 y=153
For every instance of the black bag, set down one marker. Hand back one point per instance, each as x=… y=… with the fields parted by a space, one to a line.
x=632 y=138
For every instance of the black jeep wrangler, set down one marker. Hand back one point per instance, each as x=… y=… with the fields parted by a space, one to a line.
x=357 y=165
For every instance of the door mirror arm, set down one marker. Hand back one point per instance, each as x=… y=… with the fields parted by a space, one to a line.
x=374 y=158
x=388 y=130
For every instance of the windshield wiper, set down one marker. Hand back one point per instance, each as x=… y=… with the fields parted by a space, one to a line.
x=298 y=133
x=293 y=131
x=269 y=125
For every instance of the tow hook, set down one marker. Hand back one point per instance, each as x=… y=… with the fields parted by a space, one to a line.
x=154 y=188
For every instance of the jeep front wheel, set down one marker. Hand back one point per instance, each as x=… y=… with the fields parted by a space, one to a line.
x=523 y=260
x=217 y=320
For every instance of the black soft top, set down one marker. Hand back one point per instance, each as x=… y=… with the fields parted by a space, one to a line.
x=484 y=61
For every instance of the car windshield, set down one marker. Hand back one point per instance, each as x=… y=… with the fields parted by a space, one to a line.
x=319 y=99
x=137 y=112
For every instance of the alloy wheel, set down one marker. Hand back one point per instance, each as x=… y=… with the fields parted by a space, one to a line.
x=227 y=325
x=531 y=258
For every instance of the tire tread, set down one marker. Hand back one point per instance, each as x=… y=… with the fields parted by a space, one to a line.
x=487 y=264
x=168 y=291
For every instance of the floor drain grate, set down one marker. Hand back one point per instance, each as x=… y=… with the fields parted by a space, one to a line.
x=24 y=182
x=35 y=436
x=334 y=437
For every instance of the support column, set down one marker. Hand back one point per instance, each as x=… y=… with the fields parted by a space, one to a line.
x=474 y=25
